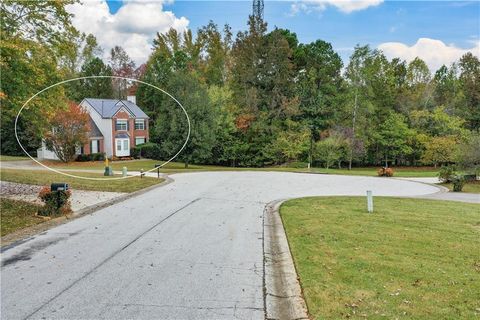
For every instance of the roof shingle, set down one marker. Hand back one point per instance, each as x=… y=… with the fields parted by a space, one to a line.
x=108 y=107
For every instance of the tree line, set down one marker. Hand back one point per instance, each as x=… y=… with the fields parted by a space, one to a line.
x=256 y=98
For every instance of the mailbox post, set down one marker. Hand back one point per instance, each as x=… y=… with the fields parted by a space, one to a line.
x=158 y=169
x=369 y=201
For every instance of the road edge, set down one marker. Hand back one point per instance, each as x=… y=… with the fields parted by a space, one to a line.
x=21 y=236
x=282 y=291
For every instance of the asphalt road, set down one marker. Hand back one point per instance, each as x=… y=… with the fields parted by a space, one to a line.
x=192 y=249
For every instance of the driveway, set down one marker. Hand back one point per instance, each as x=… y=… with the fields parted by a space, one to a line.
x=192 y=249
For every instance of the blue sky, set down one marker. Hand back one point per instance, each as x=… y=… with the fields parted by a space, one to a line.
x=395 y=26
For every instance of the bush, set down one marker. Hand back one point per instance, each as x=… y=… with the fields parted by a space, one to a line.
x=147 y=150
x=100 y=156
x=83 y=158
x=56 y=202
x=385 y=172
x=135 y=152
x=446 y=174
x=458 y=183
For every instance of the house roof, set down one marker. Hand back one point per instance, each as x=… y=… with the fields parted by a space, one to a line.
x=94 y=131
x=108 y=107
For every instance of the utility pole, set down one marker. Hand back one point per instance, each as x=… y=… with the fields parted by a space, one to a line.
x=258 y=9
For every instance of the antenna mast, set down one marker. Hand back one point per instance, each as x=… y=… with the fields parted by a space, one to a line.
x=258 y=9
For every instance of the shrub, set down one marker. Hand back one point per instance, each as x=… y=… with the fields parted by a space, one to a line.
x=56 y=202
x=385 y=172
x=446 y=174
x=82 y=158
x=458 y=183
x=147 y=150
x=135 y=152
x=100 y=156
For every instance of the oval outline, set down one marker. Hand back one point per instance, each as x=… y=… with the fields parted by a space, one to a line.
x=96 y=77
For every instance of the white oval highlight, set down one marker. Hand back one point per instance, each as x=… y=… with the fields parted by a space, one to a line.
x=96 y=77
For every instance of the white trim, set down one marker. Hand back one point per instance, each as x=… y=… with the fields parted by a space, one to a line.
x=126 y=109
x=123 y=152
x=124 y=121
x=140 y=121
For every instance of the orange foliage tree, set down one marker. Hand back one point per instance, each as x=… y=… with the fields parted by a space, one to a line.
x=69 y=131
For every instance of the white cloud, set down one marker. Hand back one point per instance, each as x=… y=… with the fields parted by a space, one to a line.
x=346 y=6
x=434 y=52
x=133 y=26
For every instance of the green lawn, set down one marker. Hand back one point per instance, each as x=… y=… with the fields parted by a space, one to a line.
x=16 y=215
x=174 y=167
x=471 y=187
x=12 y=158
x=44 y=177
x=411 y=259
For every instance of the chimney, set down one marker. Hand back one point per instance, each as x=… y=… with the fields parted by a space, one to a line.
x=132 y=99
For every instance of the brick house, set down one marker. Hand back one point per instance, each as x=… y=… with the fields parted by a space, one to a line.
x=116 y=126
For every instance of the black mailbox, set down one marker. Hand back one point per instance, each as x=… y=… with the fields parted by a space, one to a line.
x=158 y=165
x=59 y=186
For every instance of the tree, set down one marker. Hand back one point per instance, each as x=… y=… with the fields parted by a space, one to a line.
x=447 y=88
x=290 y=144
x=393 y=137
x=318 y=85
x=330 y=150
x=468 y=153
x=216 y=50
x=69 y=131
x=122 y=66
x=439 y=150
x=469 y=66
x=171 y=128
x=438 y=123
x=93 y=87
x=33 y=36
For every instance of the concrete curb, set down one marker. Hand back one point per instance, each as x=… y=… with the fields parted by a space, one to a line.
x=283 y=293
x=21 y=236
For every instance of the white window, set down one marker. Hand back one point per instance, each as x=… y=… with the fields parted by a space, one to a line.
x=121 y=124
x=94 y=146
x=139 y=140
x=119 y=145
x=139 y=124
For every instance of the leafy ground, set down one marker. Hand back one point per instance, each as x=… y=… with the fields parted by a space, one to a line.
x=411 y=259
x=471 y=187
x=12 y=158
x=44 y=177
x=172 y=167
x=16 y=215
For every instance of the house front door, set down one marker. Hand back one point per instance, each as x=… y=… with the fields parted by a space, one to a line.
x=122 y=147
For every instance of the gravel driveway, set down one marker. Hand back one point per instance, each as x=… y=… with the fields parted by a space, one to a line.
x=80 y=198
x=192 y=249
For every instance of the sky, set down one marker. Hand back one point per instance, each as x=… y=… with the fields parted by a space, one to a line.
x=439 y=32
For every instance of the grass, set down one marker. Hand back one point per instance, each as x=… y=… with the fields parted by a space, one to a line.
x=471 y=187
x=16 y=214
x=43 y=177
x=174 y=167
x=410 y=259
x=12 y=158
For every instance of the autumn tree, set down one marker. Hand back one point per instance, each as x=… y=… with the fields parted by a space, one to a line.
x=122 y=66
x=439 y=150
x=68 y=132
